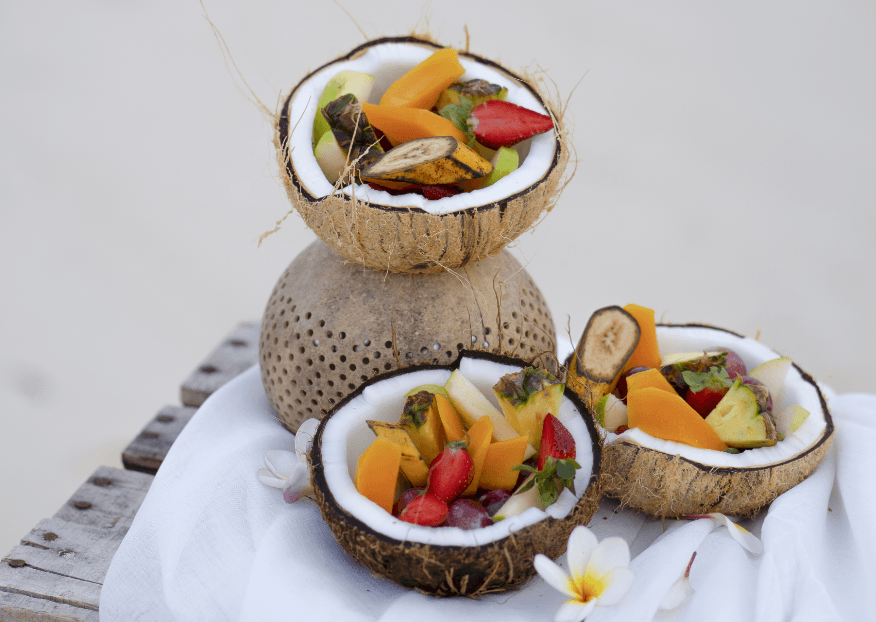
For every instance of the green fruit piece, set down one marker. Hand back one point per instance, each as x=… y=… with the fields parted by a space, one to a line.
x=790 y=419
x=431 y=388
x=355 y=82
x=504 y=161
x=526 y=397
x=611 y=412
x=332 y=161
x=772 y=374
x=738 y=421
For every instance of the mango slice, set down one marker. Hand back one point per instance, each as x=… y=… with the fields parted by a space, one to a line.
x=405 y=124
x=414 y=467
x=651 y=378
x=450 y=419
x=421 y=86
x=479 y=442
x=667 y=416
x=501 y=458
x=377 y=472
x=646 y=353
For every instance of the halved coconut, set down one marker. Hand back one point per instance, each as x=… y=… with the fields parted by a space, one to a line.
x=408 y=233
x=443 y=560
x=665 y=478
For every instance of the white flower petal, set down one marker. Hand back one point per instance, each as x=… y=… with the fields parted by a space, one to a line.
x=269 y=479
x=617 y=584
x=745 y=538
x=679 y=592
x=574 y=611
x=610 y=554
x=298 y=485
x=555 y=576
x=582 y=543
x=280 y=462
x=304 y=438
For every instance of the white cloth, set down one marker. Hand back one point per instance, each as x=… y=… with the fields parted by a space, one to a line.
x=211 y=542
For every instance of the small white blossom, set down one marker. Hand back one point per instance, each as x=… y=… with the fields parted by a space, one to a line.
x=745 y=538
x=680 y=591
x=288 y=470
x=600 y=574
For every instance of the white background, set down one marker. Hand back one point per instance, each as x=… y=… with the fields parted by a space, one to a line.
x=726 y=175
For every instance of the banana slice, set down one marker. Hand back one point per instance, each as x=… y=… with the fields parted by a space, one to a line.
x=428 y=161
x=606 y=345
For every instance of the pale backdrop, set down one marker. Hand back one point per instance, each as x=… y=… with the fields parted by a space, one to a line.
x=726 y=163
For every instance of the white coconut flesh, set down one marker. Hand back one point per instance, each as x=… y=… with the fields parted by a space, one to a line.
x=345 y=436
x=797 y=391
x=388 y=62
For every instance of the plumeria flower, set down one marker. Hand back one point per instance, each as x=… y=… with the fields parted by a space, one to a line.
x=600 y=574
x=288 y=470
x=745 y=538
x=680 y=591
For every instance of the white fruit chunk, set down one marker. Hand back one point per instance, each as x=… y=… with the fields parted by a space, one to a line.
x=789 y=419
x=611 y=412
x=332 y=160
x=344 y=82
x=471 y=405
x=519 y=502
x=773 y=374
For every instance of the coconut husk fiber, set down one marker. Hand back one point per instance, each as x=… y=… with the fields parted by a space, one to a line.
x=409 y=239
x=443 y=570
x=330 y=324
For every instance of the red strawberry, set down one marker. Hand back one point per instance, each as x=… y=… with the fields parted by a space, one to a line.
x=556 y=442
x=705 y=400
x=427 y=509
x=433 y=193
x=498 y=123
x=450 y=472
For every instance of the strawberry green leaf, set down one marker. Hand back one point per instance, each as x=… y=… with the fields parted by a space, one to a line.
x=459 y=114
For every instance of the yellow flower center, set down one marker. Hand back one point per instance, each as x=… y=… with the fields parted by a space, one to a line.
x=588 y=587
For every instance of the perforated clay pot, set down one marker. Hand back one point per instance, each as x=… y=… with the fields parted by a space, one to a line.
x=330 y=324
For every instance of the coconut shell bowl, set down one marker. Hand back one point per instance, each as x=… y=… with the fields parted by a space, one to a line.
x=407 y=233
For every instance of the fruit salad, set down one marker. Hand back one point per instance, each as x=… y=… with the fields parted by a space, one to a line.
x=706 y=399
x=454 y=460
x=430 y=133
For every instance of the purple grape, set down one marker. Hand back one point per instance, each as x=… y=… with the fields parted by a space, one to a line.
x=493 y=500
x=467 y=514
x=622 y=383
x=406 y=497
x=734 y=364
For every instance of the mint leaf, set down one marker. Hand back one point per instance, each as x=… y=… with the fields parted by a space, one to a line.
x=458 y=114
x=715 y=377
x=565 y=470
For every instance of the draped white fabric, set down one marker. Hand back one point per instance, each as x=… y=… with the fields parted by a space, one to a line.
x=212 y=543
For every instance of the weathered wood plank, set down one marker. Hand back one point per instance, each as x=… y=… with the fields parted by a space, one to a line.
x=238 y=352
x=19 y=578
x=108 y=500
x=69 y=549
x=146 y=452
x=16 y=607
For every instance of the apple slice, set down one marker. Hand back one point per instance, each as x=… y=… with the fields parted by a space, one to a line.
x=773 y=374
x=332 y=161
x=789 y=419
x=344 y=82
x=471 y=405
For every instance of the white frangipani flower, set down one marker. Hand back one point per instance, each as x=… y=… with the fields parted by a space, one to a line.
x=679 y=591
x=600 y=575
x=288 y=470
x=745 y=538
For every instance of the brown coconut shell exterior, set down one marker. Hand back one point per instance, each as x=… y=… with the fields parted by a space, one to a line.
x=330 y=324
x=409 y=239
x=665 y=485
x=455 y=570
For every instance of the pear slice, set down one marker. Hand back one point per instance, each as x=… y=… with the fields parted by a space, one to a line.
x=343 y=83
x=471 y=405
x=519 y=501
x=773 y=374
x=611 y=412
x=789 y=419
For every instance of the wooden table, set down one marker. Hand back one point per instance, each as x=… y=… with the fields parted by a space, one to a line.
x=57 y=571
